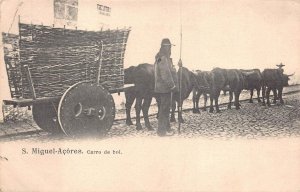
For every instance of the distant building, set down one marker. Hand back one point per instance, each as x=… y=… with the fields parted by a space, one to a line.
x=83 y=14
x=65 y=12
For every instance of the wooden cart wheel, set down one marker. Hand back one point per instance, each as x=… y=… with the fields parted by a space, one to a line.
x=45 y=116
x=86 y=109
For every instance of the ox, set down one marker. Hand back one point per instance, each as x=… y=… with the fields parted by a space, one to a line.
x=143 y=91
x=275 y=80
x=220 y=79
x=253 y=79
x=200 y=75
x=142 y=76
x=198 y=92
x=189 y=81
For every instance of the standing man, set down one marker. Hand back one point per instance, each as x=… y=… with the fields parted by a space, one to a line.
x=166 y=82
x=280 y=67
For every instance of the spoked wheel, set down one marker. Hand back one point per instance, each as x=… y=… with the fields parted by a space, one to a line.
x=86 y=109
x=45 y=116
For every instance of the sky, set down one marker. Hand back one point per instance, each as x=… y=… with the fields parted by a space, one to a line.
x=226 y=34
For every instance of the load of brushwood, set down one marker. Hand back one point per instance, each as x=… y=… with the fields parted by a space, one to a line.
x=57 y=58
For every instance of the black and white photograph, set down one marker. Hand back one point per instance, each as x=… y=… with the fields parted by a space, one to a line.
x=149 y=95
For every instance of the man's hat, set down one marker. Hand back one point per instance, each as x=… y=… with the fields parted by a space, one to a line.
x=280 y=65
x=166 y=41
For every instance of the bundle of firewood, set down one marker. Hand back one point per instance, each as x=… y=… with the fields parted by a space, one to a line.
x=58 y=58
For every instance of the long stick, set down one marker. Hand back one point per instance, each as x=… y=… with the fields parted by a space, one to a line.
x=19 y=5
x=180 y=76
x=100 y=64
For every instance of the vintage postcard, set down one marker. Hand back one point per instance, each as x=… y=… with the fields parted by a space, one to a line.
x=149 y=95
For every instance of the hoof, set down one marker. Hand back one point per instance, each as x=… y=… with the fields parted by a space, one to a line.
x=237 y=107
x=229 y=107
x=251 y=101
x=169 y=130
x=282 y=102
x=173 y=119
x=167 y=134
x=150 y=129
x=269 y=104
x=148 y=125
x=204 y=109
x=259 y=100
x=139 y=127
x=263 y=104
x=129 y=122
x=218 y=111
x=196 y=111
x=211 y=110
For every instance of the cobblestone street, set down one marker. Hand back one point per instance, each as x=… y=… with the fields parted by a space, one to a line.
x=252 y=121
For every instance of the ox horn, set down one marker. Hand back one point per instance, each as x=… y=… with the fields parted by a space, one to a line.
x=291 y=74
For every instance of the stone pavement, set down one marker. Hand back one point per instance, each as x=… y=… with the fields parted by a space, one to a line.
x=251 y=121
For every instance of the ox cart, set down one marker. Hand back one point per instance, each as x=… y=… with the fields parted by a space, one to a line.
x=67 y=76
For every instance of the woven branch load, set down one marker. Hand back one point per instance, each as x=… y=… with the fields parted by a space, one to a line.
x=12 y=64
x=58 y=58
